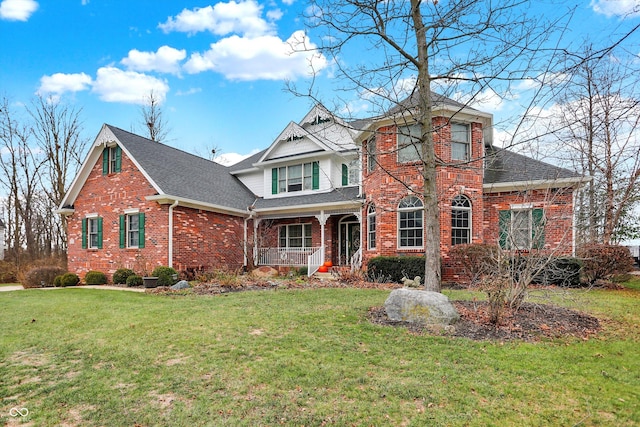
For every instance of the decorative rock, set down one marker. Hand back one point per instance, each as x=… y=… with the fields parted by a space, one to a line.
x=182 y=284
x=421 y=307
x=415 y=283
x=265 y=272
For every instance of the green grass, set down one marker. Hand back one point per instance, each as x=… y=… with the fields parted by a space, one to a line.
x=306 y=357
x=10 y=284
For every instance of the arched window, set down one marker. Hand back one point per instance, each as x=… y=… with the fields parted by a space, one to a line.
x=460 y=220
x=410 y=224
x=371 y=227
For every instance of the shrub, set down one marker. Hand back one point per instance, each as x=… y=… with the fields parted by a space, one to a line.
x=69 y=279
x=560 y=271
x=95 y=278
x=134 y=280
x=8 y=272
x=474 y=261
x=57 y=282
x=164 y=275
x=396 y=267
x=42 y=276
x=602 y=261
x=121 y=275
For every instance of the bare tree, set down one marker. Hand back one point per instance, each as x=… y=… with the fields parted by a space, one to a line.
x=469 y=46
x=57 y=130
x=153 y=120
x=598 y=127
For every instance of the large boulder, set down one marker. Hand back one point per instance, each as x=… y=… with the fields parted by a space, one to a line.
x=421 y=307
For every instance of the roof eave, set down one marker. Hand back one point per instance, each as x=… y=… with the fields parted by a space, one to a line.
x=310 y=207
x=166 y=199
x=504 y=187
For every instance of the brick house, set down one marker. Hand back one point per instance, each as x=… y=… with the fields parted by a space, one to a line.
x=324 y=190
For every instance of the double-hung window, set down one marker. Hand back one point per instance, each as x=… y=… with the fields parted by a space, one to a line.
x=92 y=233
x=371 y=154
x=288 y=179
x=111 y=160
x=460 y=142
x=460 y=221
x=295 y=236
x=351 y=173
x=521 y=229
x=409 y=143
x=410 y=224
x=132 y=230
x=371 y=227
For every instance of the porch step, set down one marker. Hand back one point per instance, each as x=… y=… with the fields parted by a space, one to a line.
x=324 y=276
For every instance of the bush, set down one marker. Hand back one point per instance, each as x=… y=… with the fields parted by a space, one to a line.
x=95 y=278
x=69 y=279
x=394 y=268
x=474 y=261
x=42 y=276
x=8 y=272
x=134 y=280
x=121 y=275
x=602 y=261
x=57 y=282
x=560 y=271
x=165 y=275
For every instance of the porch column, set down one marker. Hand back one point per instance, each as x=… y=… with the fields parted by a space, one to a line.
x=256 y=223
x=322 y=219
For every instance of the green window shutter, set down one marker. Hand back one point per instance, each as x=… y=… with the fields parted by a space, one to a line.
x=118 y=159
x=84 y=233
x=315 y=180
x=504 y=224
x=274 y=181
x=123 y=231
x=105 y=161
x=537 y=229
x=141 y=230
x=345 y=175
x=99 y=233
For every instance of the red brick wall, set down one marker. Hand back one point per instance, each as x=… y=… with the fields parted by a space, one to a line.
x=391 y=181
x=558 y=212
x=202 y=239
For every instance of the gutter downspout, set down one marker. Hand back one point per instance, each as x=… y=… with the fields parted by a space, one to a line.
x=171 y=232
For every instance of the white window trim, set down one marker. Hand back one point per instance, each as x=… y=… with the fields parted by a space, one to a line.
x=127 y=215
x=303 y=236
x=468 y=142
x=412 y=209
x=91 y=218
x=406 y=133
x=375 y=230
x=470 y=209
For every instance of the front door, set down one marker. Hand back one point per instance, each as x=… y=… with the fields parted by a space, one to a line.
x=349 y=237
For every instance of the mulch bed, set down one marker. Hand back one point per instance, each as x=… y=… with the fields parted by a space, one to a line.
x=531 y=322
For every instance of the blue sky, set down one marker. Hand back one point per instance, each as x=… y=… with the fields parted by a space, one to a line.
x=218 y=67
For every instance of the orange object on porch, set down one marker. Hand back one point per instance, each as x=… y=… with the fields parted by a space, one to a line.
x=323 y=269
x=328 y=264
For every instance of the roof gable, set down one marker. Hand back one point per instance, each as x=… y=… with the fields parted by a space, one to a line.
x=293 y=140
x=173 y=173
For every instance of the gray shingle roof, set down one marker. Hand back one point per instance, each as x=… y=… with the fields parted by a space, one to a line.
x=503 y=166
x=436 y=100
x=347 y=194
x=185 y=175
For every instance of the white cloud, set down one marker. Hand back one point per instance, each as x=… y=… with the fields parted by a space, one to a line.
x=229 y=159
x=288 y=2
x=265 y=57
x=60 y=83
x=191 y=91
x=115 y=85
x=616 y=7
x=165 y=60
x=17 y=10
x=242 y=18
x=275 y=14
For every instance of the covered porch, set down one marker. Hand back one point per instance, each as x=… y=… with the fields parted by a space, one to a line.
x=309 y=239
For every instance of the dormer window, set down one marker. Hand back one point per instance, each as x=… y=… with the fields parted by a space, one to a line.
x=301 y=177
x=319 y=120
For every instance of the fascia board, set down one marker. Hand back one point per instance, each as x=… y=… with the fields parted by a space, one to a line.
x=504 y=187
x=166 y=199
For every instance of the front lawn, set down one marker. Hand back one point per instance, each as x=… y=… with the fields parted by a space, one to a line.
x=300 y=357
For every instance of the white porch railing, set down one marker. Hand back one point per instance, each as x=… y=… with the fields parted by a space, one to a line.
x=356 y=260
x=285 y=256
x=314 y=261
